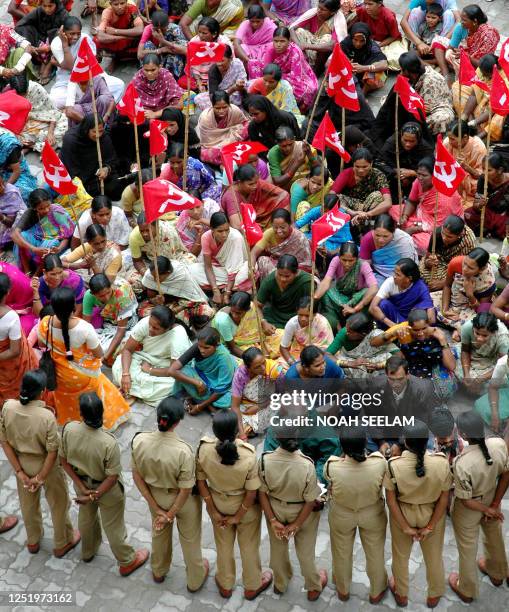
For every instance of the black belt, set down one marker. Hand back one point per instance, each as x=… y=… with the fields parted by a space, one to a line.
x=288 y=502
x=95 y=482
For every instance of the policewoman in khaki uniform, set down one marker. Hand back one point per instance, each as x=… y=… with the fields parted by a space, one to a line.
x=481 y=478
x=288 y=493
x=29 y=437
x=163 y=470
x=356 y=502
x=227 y=477
x=91 y=457
x=417 y=490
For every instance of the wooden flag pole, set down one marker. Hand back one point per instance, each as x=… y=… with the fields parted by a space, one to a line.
x=323 y=183
x=313 y=110
x=434 y=235
x=186 y=130
x=142 y=199
x=398 y=169
x=96 y=121
x=485 y=190
x=154 y=171
x=312 y=302
x=459 y=125
x=343 y=137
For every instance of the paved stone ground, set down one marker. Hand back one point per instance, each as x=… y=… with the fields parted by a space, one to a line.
x=99 y=586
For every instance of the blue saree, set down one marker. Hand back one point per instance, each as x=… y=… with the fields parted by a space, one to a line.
x=397 y=307
x=26 y=182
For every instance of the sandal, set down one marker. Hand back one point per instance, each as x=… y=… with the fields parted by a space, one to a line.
x=191 y=408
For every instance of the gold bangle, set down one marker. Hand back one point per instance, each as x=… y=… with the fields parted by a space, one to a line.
x=206 y=497
x=244 y=507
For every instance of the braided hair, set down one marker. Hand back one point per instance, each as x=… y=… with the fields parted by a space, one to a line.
x=416 y=440
x=471 y=427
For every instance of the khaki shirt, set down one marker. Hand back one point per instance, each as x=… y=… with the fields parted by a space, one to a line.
x=289 y=477
x=411 y=488
x=91 y=452
x=355 y=485
x=163 y=460
x=30 y=429
x=227 y=479
x=473 y=477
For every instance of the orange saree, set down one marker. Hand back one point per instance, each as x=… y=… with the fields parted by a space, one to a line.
x=12 y=370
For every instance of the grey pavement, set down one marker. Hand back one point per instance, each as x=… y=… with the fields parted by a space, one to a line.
x=99 y=587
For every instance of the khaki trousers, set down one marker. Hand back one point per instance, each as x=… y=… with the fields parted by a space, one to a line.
x=305 y=542
x=57 y=496
x=189 y=529
x=108 y=512
x=248 y=534
x=466 y=524
x=372 y=524
x=418 y=516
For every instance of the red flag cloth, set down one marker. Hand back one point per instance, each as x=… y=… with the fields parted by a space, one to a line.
x=499 y=96
x=130 y=105
x=254 y=232
x=158 y=140
x=85 y=63
x=467 y=75
x=410 y=99
x=503 y=59
x=327 y=225
x=14 y=111
x=162 y=196
x=340 y=84
x=55 y=173
x=239 y=152
x=199 y=52
x=326 y=136
x=447 y=173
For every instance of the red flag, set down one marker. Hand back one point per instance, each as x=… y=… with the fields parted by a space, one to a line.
x=239 y=152
x=55 y=173
x=327 y=225
x=130 y=105
x=467 y=75
x=157 y=135
x=254 y=232
x=341 y=85
x=162 y=196
x=410 y=99
x=14 y=111
x=447 y=173
x=499 y=96
x=326 y=136
x=85 y=64
x=503 y=59
x=199 y=52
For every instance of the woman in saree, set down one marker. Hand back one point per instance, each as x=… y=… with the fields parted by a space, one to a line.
x=219 y=126
x=285 y=11
x=238 y=327
x=20 y=298
x=228 y=75
x=384 y=246
x=111 y=218
x=294 y=66
x=280 y=293
x=55 y=275
x=228 y=13
x=12 y=208
x=253 y=384
x=290 y=159
x=418 y=216
x=44 y=227
x=75 y=110
x=156 y=87
x=193 y=222
x=399 y=294
x=363 y=190
x=307 y=193
x=250 y=188
x=352 y=348
x=223 y=266
x=253 y=37
x=76 y=352
x=16 y=54
x=205 y=373
x=496 y=203
x=470 y=154
x=16 y=357
x=97 y=255
x=265 y=120
x=154 y=342
x=369 y=64
x=118 y=32
x=468 y=289
x=199 y=178
x=348 y=286
x=180 y=292
x=111 y=308
x=175 y=132
x=280 y=239
x=297 y=335
x=276 y=89
x=484 y=340
x=13 y=165
x=318 y=29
